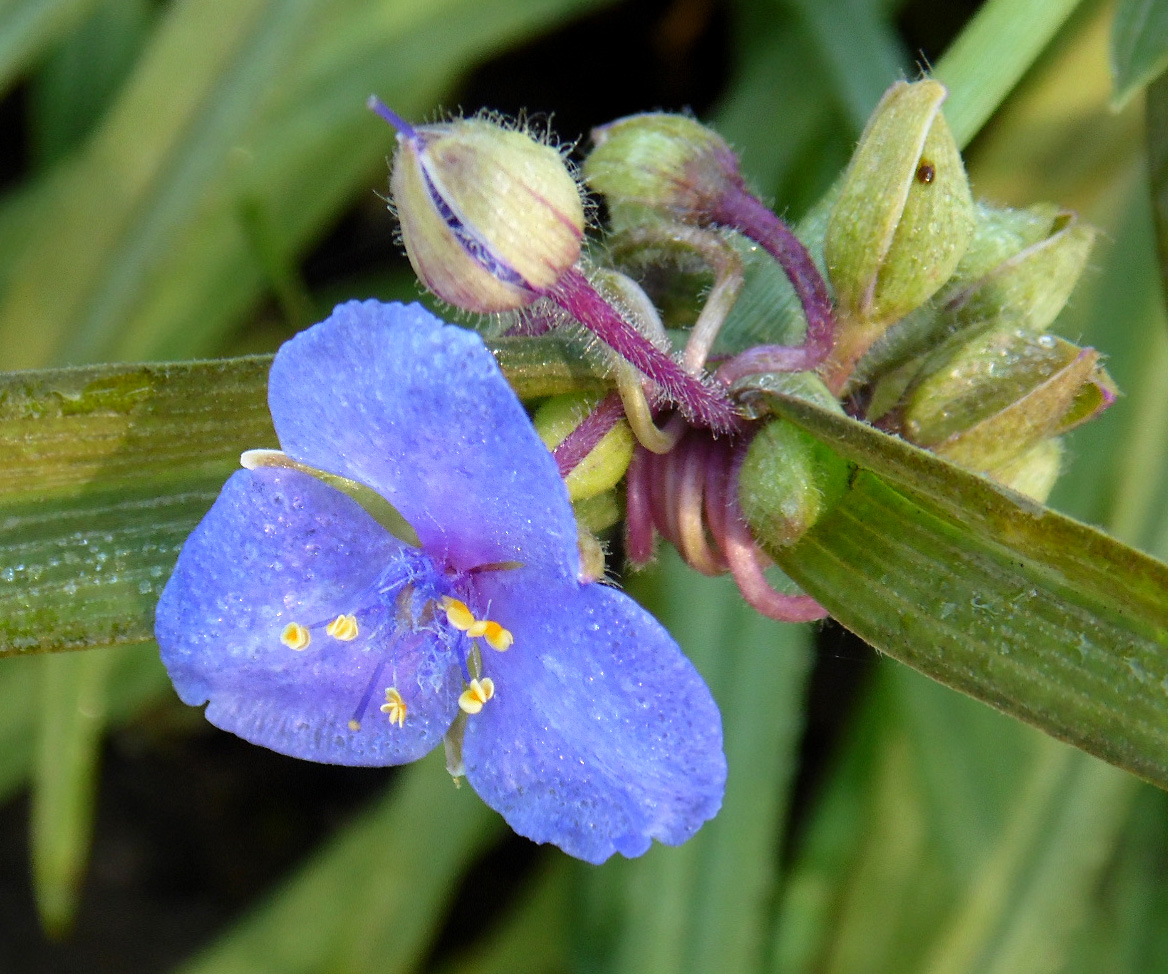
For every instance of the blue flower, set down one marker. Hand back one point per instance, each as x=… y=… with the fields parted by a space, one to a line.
x=308 y=628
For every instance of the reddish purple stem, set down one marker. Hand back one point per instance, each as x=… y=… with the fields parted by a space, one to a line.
x=705 y=405
x=740 y=210
x=584 y=438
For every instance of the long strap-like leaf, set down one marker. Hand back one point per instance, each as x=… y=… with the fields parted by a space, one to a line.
x=1033 y=612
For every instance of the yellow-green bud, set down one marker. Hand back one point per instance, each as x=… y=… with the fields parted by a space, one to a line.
x=788 y=481
x=490 y=217
x=984 y=401
x=661 y=163
x=1018 y=271
x=592 y=563
x=604 y=466
x=905 y=214
x=1033 y=472
x=1027 y=287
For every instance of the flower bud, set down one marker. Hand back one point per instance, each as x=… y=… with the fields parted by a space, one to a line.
x=1027 y=287
x=904 y=216
x=660 y=163
x=604 y=466
x=787 y=482
x=982 y=402
x=1019 y=270
x=1033 y=472
x=592 y=560
x=490 y=217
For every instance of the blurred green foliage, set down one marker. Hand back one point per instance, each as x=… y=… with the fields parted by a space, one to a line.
x=176 y=165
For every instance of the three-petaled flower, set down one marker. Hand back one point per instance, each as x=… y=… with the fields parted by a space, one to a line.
x=314 y=631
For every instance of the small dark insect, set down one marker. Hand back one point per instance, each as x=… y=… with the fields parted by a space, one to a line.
x=926 y=172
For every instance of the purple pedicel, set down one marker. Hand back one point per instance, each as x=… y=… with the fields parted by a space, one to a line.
x=704 y=405
x=738 y=209
x=584 y=438
x=746 y=562
x=690 y=495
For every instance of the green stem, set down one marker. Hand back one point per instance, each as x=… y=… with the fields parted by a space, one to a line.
x=990 y=56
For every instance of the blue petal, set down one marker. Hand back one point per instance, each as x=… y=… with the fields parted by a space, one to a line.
x=601 y=735
x=280 y=546
x=390 y=396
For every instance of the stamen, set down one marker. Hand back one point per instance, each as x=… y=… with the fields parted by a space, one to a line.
x=477 y=628
x=376 y=105
x=457 y=613
x=498 y=638
x=474 y=696
x=355 y=720
x=343 y=627
x=395 y=706
x=295 y=636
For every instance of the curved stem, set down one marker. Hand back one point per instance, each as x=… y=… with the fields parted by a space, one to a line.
x=747 y=567
x=706 y=405
x=740 y=210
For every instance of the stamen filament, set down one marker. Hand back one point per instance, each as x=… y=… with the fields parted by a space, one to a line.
x=355 y=720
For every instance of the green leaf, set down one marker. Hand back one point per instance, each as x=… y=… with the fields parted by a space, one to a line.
x=950 y=841
x=27 y=27
x=108 y=471
x=109 y=468
x=1156 y=121
x=373 y=898
x=1139 y=47
x=532 y=936
x=991 y=54
x=74 y=87
x=858 y=47
x=72 y=719
x=1028 y=610
x=138 y=252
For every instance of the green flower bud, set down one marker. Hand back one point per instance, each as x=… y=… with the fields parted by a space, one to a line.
x=788 y=481
x=982 y=402
x=1028 y=287
x=490 y=217
x=1034 y=471
x=603 y=468
x=658 y=163
x=592 y=562
x=905 y=214
x=1019 y=271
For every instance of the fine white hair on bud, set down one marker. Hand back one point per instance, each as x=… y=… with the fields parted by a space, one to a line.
x=491 y=217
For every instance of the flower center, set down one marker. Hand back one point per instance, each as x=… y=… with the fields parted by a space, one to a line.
x=410 y=601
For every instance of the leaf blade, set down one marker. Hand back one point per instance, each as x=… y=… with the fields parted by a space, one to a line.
x=1032 y=612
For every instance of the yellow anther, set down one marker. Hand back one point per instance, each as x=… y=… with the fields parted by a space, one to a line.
x=478 y=693
x=343 y=627
x=477 y=628
x=497 y=637
x=457 y=613
x=354 y=725
x=295 y=636
x=395 y=706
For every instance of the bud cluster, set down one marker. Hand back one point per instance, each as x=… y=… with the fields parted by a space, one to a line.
x=915 y=308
